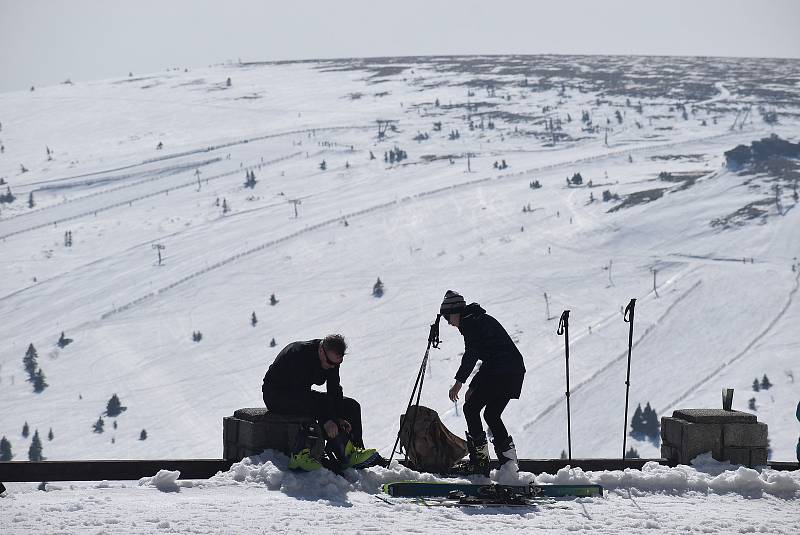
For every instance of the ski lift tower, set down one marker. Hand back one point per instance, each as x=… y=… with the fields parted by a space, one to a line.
x=295 y=202
x=158 y=247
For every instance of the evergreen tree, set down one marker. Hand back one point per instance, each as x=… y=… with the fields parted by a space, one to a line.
x=637 y=426
x=272 y=300
x=25 y=430
x=650 y=422
x=253 y=319
x=39 y=382
x=98 y=425
x=114 y=407
x=632 y=453
x=765 y=384
x=50 y=434
x=143 y=435
x=756 y=385
x=5 y=450
x=563 y=454
x=30 y=360
x=63 y=340
x=31 y=204
x=751 y=404
x=35 y=451
x=115 y=424
x=377 y=288
x=272 y=343
x=323 y=165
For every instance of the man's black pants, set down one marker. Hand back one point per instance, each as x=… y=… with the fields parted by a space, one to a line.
x=494 y=406
x=317 y=404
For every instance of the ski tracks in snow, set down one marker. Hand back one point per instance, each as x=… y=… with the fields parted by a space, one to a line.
x=744 y=351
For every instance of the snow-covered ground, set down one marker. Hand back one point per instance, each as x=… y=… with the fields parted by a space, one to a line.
x=423 y=225
x=259 y=495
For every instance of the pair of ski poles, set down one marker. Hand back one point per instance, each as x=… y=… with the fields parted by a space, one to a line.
x=563 y=328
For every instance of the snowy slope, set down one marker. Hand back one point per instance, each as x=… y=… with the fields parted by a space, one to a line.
x=422 y=226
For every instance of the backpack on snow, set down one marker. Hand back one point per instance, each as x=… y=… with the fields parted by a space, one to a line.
x=429 y=445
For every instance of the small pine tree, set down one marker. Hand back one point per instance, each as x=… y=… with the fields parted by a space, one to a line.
x=114 y=406
x=756 y=385
x=377 y=288
x=751 y=404
x=637 y=427
x=272 y=300
x=50 y=435
x=98 y=425
x=35 y=451
x=272 y=343
x=765 y=384
x=39 y=382
x=632 y=453
x=650 y=422
x=31 y=203
x=253 y=319
x=143 y=435
x=25 y=430
x=5 y=450
x=323 y=165
x=115 y=424
x=563 y=454
x=30 y=360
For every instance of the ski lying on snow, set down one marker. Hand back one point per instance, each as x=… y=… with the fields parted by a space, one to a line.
x=411 y=489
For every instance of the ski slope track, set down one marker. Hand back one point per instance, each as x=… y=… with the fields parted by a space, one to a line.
x=716 y=304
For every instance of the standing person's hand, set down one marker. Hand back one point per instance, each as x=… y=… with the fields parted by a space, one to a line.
x=331 y=429
x=454 y=390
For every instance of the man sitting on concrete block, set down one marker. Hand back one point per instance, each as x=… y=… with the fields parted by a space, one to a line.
x=287 y=390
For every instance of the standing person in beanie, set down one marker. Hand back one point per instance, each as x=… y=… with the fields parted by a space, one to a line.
x=498 y=381
x=287 y=390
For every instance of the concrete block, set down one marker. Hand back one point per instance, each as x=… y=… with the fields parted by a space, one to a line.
x=758 y=457
x=745 y=435
x=230 y=429
x=713 y=416
x=672 y=430
x=252 y=434
x=736 y=455
x=671 y=453
x=700 y=438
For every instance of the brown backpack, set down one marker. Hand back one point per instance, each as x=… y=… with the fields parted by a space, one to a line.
x=430 y=447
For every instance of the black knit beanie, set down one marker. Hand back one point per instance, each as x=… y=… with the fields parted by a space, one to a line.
x=453 y=303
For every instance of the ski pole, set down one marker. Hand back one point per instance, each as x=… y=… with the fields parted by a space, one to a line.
x=628 y=317
x=433 y=340
x=563 y=328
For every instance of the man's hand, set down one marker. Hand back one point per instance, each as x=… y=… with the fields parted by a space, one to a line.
x=345 y=425
x=454 y=391
x=331 y=429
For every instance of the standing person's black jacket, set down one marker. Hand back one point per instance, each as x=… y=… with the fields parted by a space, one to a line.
x=296 y=368
x=502 y=368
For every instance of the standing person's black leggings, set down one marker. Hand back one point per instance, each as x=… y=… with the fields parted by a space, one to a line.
x=317 y=404
x=495 y=405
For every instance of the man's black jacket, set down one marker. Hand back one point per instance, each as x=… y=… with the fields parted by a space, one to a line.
x=296 y=368
x=502 y=367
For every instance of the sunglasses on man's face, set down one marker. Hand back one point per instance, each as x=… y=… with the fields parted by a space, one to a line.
x=328 y=359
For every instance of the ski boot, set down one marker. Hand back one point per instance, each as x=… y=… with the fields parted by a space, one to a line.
x=344 y=454
x=360 y=457
x=478 y=462
x=506 y=451
x=308 y=449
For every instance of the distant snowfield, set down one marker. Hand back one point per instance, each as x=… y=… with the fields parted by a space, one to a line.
x=423 y=226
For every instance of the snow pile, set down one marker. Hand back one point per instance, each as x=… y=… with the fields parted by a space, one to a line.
x=270 y=469
x=165 y=481
x=706 y=476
